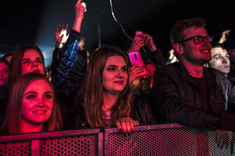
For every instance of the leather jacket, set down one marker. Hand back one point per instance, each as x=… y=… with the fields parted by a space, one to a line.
x=228 y=90
x=177 y=97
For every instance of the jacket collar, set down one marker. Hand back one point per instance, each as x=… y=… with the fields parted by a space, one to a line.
x=207 y=73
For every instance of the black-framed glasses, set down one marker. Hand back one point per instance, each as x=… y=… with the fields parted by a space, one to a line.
x=198 y=39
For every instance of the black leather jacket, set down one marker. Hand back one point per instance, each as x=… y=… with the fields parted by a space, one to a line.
x=177 y=98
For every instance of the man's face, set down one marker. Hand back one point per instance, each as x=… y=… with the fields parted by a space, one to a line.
x=197 y=54
x=220 y=60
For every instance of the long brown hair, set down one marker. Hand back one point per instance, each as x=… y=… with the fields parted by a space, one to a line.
x=15 y=67
x=91 y=94
x=13 y=114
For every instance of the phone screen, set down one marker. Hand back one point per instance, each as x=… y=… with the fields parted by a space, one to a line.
x=135 y=58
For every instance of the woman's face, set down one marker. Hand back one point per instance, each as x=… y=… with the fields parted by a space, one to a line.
x=115 y=75
x=37 y=103
x=3 y=73
x=220 y=60
x=32 y=62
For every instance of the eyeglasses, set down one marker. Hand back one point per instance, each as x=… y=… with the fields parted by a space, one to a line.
x=199 y=39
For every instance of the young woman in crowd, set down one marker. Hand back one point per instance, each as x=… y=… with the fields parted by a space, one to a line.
x=106 y=98
x=32 y=106
x=3 y=78
x=26 y=59
x=3 y=71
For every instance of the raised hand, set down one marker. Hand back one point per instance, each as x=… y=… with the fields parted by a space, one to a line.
x=61 y=35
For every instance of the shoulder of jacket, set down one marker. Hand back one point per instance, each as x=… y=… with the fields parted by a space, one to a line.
x=173 y=70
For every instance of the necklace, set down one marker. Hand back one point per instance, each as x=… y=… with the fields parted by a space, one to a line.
x=106 y=108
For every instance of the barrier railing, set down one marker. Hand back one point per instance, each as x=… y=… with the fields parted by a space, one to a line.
x=163 y=139
x=75 y=142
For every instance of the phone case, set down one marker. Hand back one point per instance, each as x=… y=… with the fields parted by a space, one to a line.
x=135 y=58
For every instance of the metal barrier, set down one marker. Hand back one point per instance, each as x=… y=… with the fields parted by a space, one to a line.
x=163 y=139
x=75 y=142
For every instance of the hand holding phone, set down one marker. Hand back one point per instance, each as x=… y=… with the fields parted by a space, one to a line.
x=135 y=58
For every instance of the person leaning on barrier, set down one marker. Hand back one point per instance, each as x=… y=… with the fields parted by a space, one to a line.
x=106 y=98
x=186 y=92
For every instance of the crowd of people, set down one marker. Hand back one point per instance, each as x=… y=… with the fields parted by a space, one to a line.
x=109 y=90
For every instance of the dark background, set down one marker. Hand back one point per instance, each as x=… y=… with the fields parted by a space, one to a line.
x=35 y=21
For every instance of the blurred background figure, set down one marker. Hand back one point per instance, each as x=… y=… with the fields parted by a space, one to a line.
x=61 y=35
x=219 y=59
x=223 y=37
x=81 y=48
x=26 y=59
x=8 y=56
x=3 y=71
x=172 y=57
x=229 y=44
x=32 y=107
x=3 y=90
x=61 y=38
x=69 y=64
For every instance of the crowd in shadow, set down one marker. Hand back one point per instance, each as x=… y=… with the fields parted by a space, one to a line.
x=116 y=88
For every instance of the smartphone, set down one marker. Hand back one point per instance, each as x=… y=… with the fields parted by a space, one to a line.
x=138 y=33
x=135 y=58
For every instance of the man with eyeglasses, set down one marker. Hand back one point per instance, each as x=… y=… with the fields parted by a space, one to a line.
x=186 y=92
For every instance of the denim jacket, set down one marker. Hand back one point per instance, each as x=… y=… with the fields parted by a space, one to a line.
x=69 y=72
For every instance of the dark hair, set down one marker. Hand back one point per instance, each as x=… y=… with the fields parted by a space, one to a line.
x=4 y=61
x=8 y=54
x=215 y=44
x=13 y=114
x=176 y=33
x=229 y=44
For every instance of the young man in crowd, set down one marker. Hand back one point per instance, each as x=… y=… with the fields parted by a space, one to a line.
x=185 y=92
